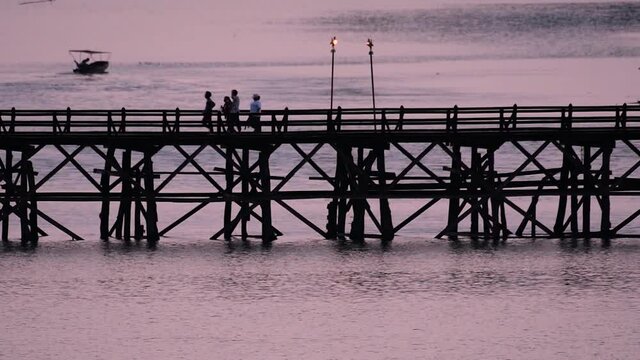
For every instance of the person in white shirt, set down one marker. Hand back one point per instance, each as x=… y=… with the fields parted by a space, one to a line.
x=254 y=112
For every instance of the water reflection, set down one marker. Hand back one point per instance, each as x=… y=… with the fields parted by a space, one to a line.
x=461 y=244
x=344 y=246
x=585 y=244
x=126 y=247
x=245 y=245
x=239 y=290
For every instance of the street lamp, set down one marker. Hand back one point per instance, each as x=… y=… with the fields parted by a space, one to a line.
x=373 y=92
x=333 y=44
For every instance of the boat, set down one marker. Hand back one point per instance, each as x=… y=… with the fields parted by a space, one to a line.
x=35 y=2
x=90 y=61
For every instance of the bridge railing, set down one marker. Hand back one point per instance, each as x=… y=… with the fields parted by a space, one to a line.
x=400 y=119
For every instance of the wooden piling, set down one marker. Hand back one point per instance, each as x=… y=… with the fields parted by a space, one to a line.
x=150 y=194
x=104 y=191
x=455 y=183
x=8 y=191
x=605 y=219
x=265 y=181
x=385 y=211
x=558 y=228
x=474 y=188
x=22 y=204
x=588 y=189
x=228 y=204
x=244 y=204
x=345 y=158
x=26 y=203
x=123 y=221
x=496 y=204
x=33 y=204
x=574 y=201
x=358 y=187
x=332 y=213
x=138 y=228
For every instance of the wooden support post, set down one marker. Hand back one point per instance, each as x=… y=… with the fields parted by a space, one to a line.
x=586 y=197
x=165 y=123
x=474 y=200
x=265 y=181
x=33 y=204
x=385 y=211
x=574 y=202
x=496 y=203
x=176 y=123
x=67 y=123
x=104 y=191
x=245 y=212
x=219 y=123
x=514 y=116
x=503 y=217
x=12 y=123
x=8 y=192
x=342 y=180
x=534 y=215
x=484 y=200
x=337 y=208
x=558 y=228
x=110 y=127
x=284 y=124
x=605 y=221
x=150 y=194
x=22 y=204
x=138 y=229
x=228 y=204
x=357 y=225
x=400 y=122
x=454 y=190
x=56 y=124
x=123 y=120
x=332 y=207
x=123 y=227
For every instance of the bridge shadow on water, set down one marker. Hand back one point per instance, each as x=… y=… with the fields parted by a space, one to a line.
x=238 y=246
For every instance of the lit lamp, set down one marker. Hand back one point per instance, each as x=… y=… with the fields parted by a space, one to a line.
x=373 y=92
x=333 y=44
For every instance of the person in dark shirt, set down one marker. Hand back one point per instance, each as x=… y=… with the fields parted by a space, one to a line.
x=226 y=107
x=235 y=109
x=208 y=111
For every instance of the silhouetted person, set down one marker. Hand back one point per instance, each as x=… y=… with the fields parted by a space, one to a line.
x=235 y=109
x=83 y=64
x=254 y=113
x=226 y=111
x=208 y=111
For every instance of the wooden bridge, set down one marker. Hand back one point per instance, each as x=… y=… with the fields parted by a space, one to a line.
x=490 y=166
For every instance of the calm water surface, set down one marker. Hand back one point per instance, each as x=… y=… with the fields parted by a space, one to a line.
x=307 y=298
x=321 y=300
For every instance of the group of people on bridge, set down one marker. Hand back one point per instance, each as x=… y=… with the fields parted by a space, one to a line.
x=230 y=109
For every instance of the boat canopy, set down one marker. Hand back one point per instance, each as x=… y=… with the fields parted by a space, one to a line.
x=89 y=52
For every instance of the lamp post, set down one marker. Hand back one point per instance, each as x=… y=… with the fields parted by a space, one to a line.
x=333 y=44
x=373 y=92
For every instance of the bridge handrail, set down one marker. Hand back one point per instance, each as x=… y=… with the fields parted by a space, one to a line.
x=383 y=119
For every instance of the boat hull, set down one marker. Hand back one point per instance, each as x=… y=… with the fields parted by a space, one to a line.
x=96 y=67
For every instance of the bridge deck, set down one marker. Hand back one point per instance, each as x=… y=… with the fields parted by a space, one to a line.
x=470 y=140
